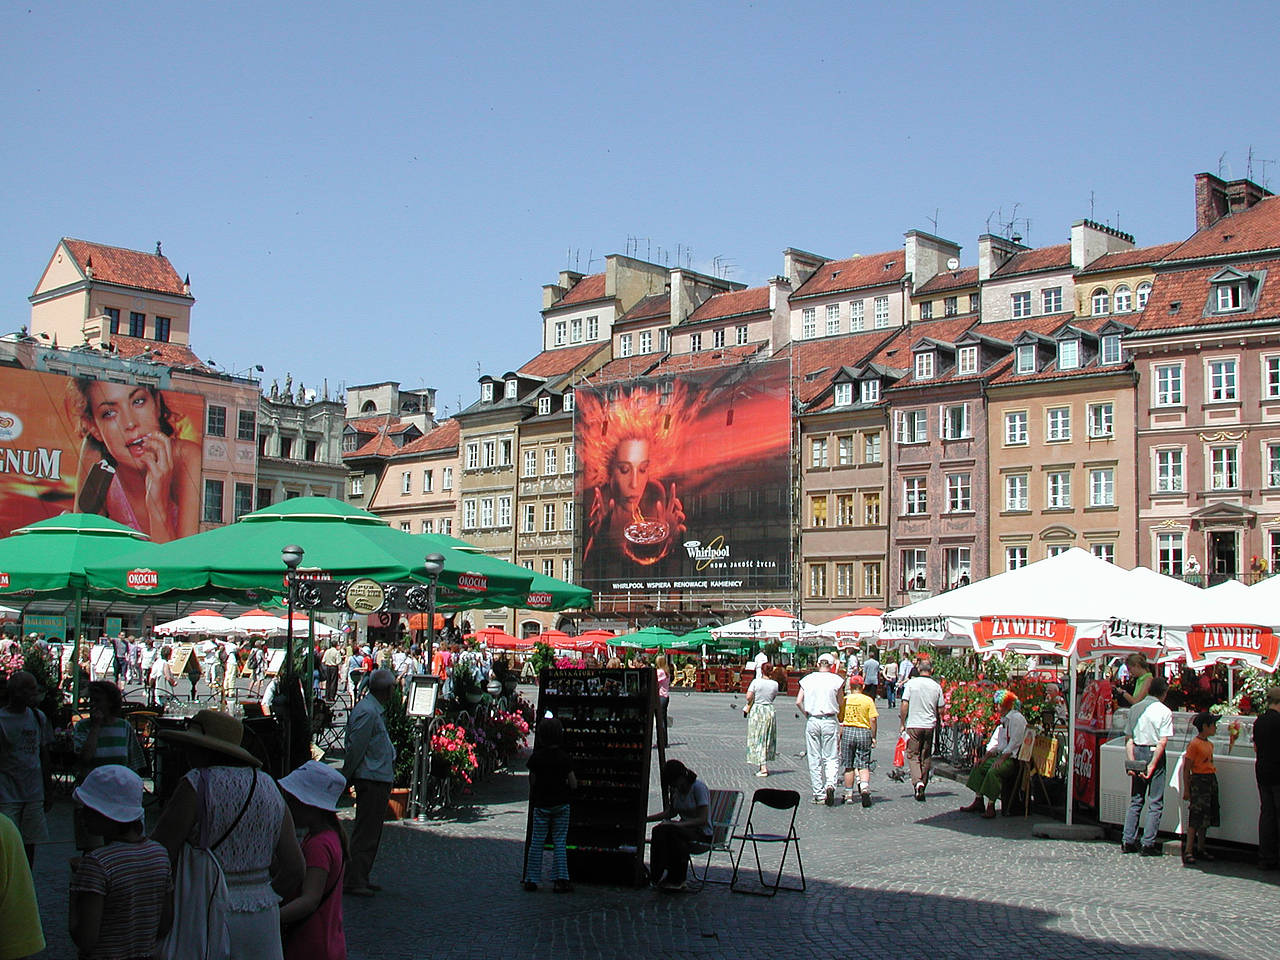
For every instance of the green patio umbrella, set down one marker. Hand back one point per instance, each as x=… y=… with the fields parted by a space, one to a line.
x=544 y=593
x=698 y=638
x=644 y=639
x=338 y=540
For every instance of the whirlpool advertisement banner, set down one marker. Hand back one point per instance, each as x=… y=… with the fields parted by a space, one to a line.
x=683 y=482
x=128 y=451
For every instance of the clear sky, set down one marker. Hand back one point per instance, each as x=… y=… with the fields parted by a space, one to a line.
x=377 y=191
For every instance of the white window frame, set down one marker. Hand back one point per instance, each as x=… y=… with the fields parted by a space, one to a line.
x=559 y=333
x=1167 y=385
x=872 y=447
x=881 y=307
x=915 y=496
x=645 y=341
x=1017 y=493
x=1057 y=425
x=488 y=452
x=510 y=389
x=819 y=449
x=428 y=481
x=1222 y=380
x=528 y=519
x=1016 y=429
x=1223 y=463
x=1025 y=358
x=1102 y=420
x=843 y=394
x=446 y=479
x=1122 y=299
x=1015 y=558
x=1171 y=553
x=959 y=493
x=486 y=512
x=486 y=391
x=857 y=315
x=717 y=338
x=357 y=486
x=913 y=426
x=567 y=515
x=469 y=514
x=593 y=328
x=1229 y=297
x=1104 y=551
x=504 y=511
x=1051 y=300
x=473 y=455
x=1100 y=302
x=544 y=406
x=1058 y=490
x=624 y=345
x=1170 y=470
x=953 y=425
x=1109 y=349
x=575 y=330
x=844 y=450
x=567 y=461
x=833 y=319
x=1068 y=354
x=549 y=518
x=530 y=468
x=808 y=323
x=550 y=460
x=1271 y=377
x=1271 y=453
x=925 y=363
x=743 y=332
x=870 y=390
x=1141 y=295
x=1102 y=487
x=695 y=343
x=966 y=361
x=406 y=481
x=1020 y=304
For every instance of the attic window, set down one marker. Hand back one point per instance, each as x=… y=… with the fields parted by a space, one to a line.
x=544 y=406
x=486 y=392
x=1175 y=306
x=870 y=391
x=1068 y=354
x=810 y=377
x=843 y=394
x=888 y=265
x=1026 y=362
x=510 y=393
x=1230 y=297
x=834 y=274
x=924 y=365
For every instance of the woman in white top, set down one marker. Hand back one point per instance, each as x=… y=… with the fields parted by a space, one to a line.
x=229 y=805
x=762 y=722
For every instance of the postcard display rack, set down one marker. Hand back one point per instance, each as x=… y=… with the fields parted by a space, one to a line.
x=608 y=718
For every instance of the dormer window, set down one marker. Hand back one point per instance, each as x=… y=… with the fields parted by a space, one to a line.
x=1143 y=293
x=1026 y=361
x=1068 y=354
x=1123 y=299
x=1230 y=297
x=924 y=365
x=870 y=391
x=544 y=406
x=510 y=392
x=843 y=394
x=1110 y=349
x=967 y=360
x=486 y=391
x=568 y=401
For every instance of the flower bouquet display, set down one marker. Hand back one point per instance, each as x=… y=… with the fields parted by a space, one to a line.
x=452 y=754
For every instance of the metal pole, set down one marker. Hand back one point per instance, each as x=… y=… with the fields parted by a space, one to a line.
x=1071 y=738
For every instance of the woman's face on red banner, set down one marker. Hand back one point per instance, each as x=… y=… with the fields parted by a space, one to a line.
x=123 y=417
x=630 y=471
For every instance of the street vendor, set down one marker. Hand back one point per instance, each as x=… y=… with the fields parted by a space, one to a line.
x=989 y=777
x=1139 y=671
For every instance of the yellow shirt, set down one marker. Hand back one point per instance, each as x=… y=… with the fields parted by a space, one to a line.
x=19 y=917
x=859 y=711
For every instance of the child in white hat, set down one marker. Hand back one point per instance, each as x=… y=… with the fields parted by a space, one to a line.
x=312 y=919
x=122 y=892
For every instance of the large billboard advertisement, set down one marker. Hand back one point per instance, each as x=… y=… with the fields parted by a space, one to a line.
x=684 y=482
x=126 y=451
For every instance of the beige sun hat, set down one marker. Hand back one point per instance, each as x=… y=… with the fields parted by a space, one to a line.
x=216 y=731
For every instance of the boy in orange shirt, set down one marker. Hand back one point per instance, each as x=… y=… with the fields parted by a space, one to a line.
x=1200 y=788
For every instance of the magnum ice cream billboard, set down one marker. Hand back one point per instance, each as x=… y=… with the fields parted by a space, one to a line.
x=683 y=483
x=127 y=451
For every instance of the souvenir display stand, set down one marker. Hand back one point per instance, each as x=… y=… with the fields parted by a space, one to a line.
x=608 y=718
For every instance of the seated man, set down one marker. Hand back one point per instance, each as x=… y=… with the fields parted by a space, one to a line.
x=1000 y=762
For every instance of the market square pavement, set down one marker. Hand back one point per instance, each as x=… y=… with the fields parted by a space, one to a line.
x=903 y=880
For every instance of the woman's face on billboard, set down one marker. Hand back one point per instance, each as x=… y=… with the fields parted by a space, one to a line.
x=123 y=417
x=630 y=471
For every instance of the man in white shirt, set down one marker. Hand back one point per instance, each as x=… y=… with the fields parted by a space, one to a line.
x=820 y=700
x=922 y=702
x=1146 y=735
x=990 y=776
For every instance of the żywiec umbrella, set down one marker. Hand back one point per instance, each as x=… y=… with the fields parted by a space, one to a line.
x=338 y=541
x=202 y=621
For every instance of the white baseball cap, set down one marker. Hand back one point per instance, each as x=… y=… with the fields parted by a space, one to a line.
x=114 y=791
x=827 y=658
x=316 y=784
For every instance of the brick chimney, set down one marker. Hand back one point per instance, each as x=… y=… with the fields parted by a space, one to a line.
x=993 y=251
x=798 y=265
x=1217 y=198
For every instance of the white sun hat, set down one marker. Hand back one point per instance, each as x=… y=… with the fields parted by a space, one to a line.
x=114 y=791
x=316 y=784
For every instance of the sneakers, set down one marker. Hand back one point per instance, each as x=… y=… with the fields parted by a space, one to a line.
x=866 y=798
x=831 y=796
x=920 y=792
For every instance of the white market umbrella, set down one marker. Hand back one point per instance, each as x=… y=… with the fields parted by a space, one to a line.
x=265 y=625
x=1231 y=623
x=1147 y=601
x=860 y=623
x=202 y=621
x=769 y=623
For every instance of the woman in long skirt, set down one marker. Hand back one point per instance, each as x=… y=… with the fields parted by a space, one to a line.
x=762 y=724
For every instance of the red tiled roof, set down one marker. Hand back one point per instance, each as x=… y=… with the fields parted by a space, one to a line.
x=649 y=308
x=1257 y=228
x=1057 y=257
x=626 y=368
x=170 y=354
x=1130 y=258
x=950 y=280
x=378 y=429
x=561 y=360
x=721 y=356
x=828 y=355
x=733 y=304
x=1190 y=290
x=897 y=352
x=129 y=268
x=1051 y=372
x=1006 y=330
x=584 y=291
x=444 y=436
x=873 y=270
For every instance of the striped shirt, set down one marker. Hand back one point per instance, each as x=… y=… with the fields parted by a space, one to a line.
x=133 y=880
x=117 y=743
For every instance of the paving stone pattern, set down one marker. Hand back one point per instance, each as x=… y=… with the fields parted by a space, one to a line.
x=903 y=880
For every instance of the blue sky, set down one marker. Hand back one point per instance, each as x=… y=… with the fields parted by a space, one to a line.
x=377 y=191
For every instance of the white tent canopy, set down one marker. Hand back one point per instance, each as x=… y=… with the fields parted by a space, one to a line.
x=770 y=623
x=199 y=622
x=278 y=626
x=859 y=624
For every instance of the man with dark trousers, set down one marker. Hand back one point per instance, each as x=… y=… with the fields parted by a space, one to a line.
x=1266 y=744
x=369 y=766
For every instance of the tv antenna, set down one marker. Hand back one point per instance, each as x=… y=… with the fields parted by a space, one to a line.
x=934 y=220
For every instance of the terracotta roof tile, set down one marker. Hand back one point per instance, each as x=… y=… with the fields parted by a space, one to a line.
x=1057 y=257
x=655 y=307
x=1006 y=330
x=1189 y=290
x=722 y=356
x=561 y=360
x=733 y=304
x=444 y=436
x=950 y=280
x=170 y=354
x=1129 y=258
x=584 y=291
x=1051 y=372
x=129 y=268
x=626 y=368
x=873 y=270
x=826 y=355
x=1257 y=228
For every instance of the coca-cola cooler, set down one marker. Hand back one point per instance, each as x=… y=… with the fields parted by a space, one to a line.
x=1093 y=725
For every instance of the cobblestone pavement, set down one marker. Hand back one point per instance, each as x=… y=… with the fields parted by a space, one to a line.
x=902 y=880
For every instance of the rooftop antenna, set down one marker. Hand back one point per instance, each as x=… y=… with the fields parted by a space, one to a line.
x=1091 y=216
x=934 y=221
x=1222 y=162
x=989 y=216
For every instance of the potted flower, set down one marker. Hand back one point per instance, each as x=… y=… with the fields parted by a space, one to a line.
x=469 y=677
x=452 y=754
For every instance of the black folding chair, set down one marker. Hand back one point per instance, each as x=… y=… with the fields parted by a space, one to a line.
x=781 y=801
